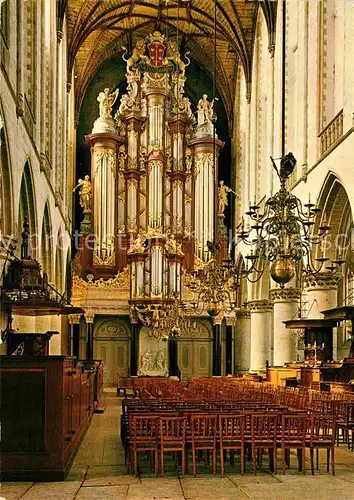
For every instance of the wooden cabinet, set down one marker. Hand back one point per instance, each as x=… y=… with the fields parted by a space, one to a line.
x=46 y=407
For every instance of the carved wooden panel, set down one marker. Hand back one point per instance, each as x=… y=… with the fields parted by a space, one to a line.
x=24 y=393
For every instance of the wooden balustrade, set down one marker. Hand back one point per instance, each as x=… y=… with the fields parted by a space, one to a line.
x=331 y=133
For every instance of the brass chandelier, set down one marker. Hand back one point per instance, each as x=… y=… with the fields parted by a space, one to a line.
x=283 y=234
x=214 y=285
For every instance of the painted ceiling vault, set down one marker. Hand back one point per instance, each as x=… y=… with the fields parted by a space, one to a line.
x=97 y=31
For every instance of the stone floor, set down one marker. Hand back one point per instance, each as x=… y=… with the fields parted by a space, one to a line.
x=98 y=472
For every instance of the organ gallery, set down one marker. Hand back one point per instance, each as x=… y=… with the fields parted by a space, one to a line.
x=176 y=248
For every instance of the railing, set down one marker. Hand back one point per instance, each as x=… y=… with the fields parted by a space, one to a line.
x=331 y=133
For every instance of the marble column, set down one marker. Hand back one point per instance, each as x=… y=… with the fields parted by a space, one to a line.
x=243 y=340
x=89 y=317
x=322 y=294
x=261 y=333
x=286 y=306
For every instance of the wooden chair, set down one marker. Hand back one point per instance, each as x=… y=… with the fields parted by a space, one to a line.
x=203 y=437
x=173 y=438
x=264 y=429
x=350 y=426
x=293 y=436
x=144 y=437
x=322 y=435
x=232 y=437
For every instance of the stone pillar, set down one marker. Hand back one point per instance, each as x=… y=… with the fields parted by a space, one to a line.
x=286 y=306
x=74 y=319
x=89 y=317
x=322 y=291
x=261 y=333
x=243 y=340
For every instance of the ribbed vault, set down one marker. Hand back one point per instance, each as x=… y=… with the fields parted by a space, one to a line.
x=97 y=30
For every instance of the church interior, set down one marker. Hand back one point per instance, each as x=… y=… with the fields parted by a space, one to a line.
x=176 y=249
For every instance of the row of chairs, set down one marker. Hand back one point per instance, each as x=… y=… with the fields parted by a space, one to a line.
x=250 y=432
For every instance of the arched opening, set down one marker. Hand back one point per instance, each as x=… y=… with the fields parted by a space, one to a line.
x=27 y=209
x=46 y=244
x=59 y=269
x=336 y=211
x=6 y=207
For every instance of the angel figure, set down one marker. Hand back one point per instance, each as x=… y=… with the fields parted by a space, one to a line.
x=205 y=110
x=106 y=101
x=85 y=192
x=172 y=245
x=138 y=245
x=222 y=197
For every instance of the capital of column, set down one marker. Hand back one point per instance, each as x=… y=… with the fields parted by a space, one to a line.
x=243 y=313
x=230 y=320
x=322 y=281
x=89 y=316
x=285 y=294
x=261 y=306
x=74 y=319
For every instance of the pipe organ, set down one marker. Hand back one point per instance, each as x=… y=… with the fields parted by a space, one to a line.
x=154 y=166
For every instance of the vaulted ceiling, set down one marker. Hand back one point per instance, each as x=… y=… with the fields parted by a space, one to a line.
x=97 y=30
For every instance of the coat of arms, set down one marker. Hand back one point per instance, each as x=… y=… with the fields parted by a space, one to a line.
x=156 y=49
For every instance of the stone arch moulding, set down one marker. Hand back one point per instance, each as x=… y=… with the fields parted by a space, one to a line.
x=6 y=215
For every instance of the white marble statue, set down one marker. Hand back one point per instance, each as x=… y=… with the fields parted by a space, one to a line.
x=106 y=101
x=205 y=110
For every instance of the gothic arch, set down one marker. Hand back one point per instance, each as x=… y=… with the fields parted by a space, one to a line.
x=46 y=243
x=335 y=210
x=59 y=269
x=27 y=206
x=6 y=208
